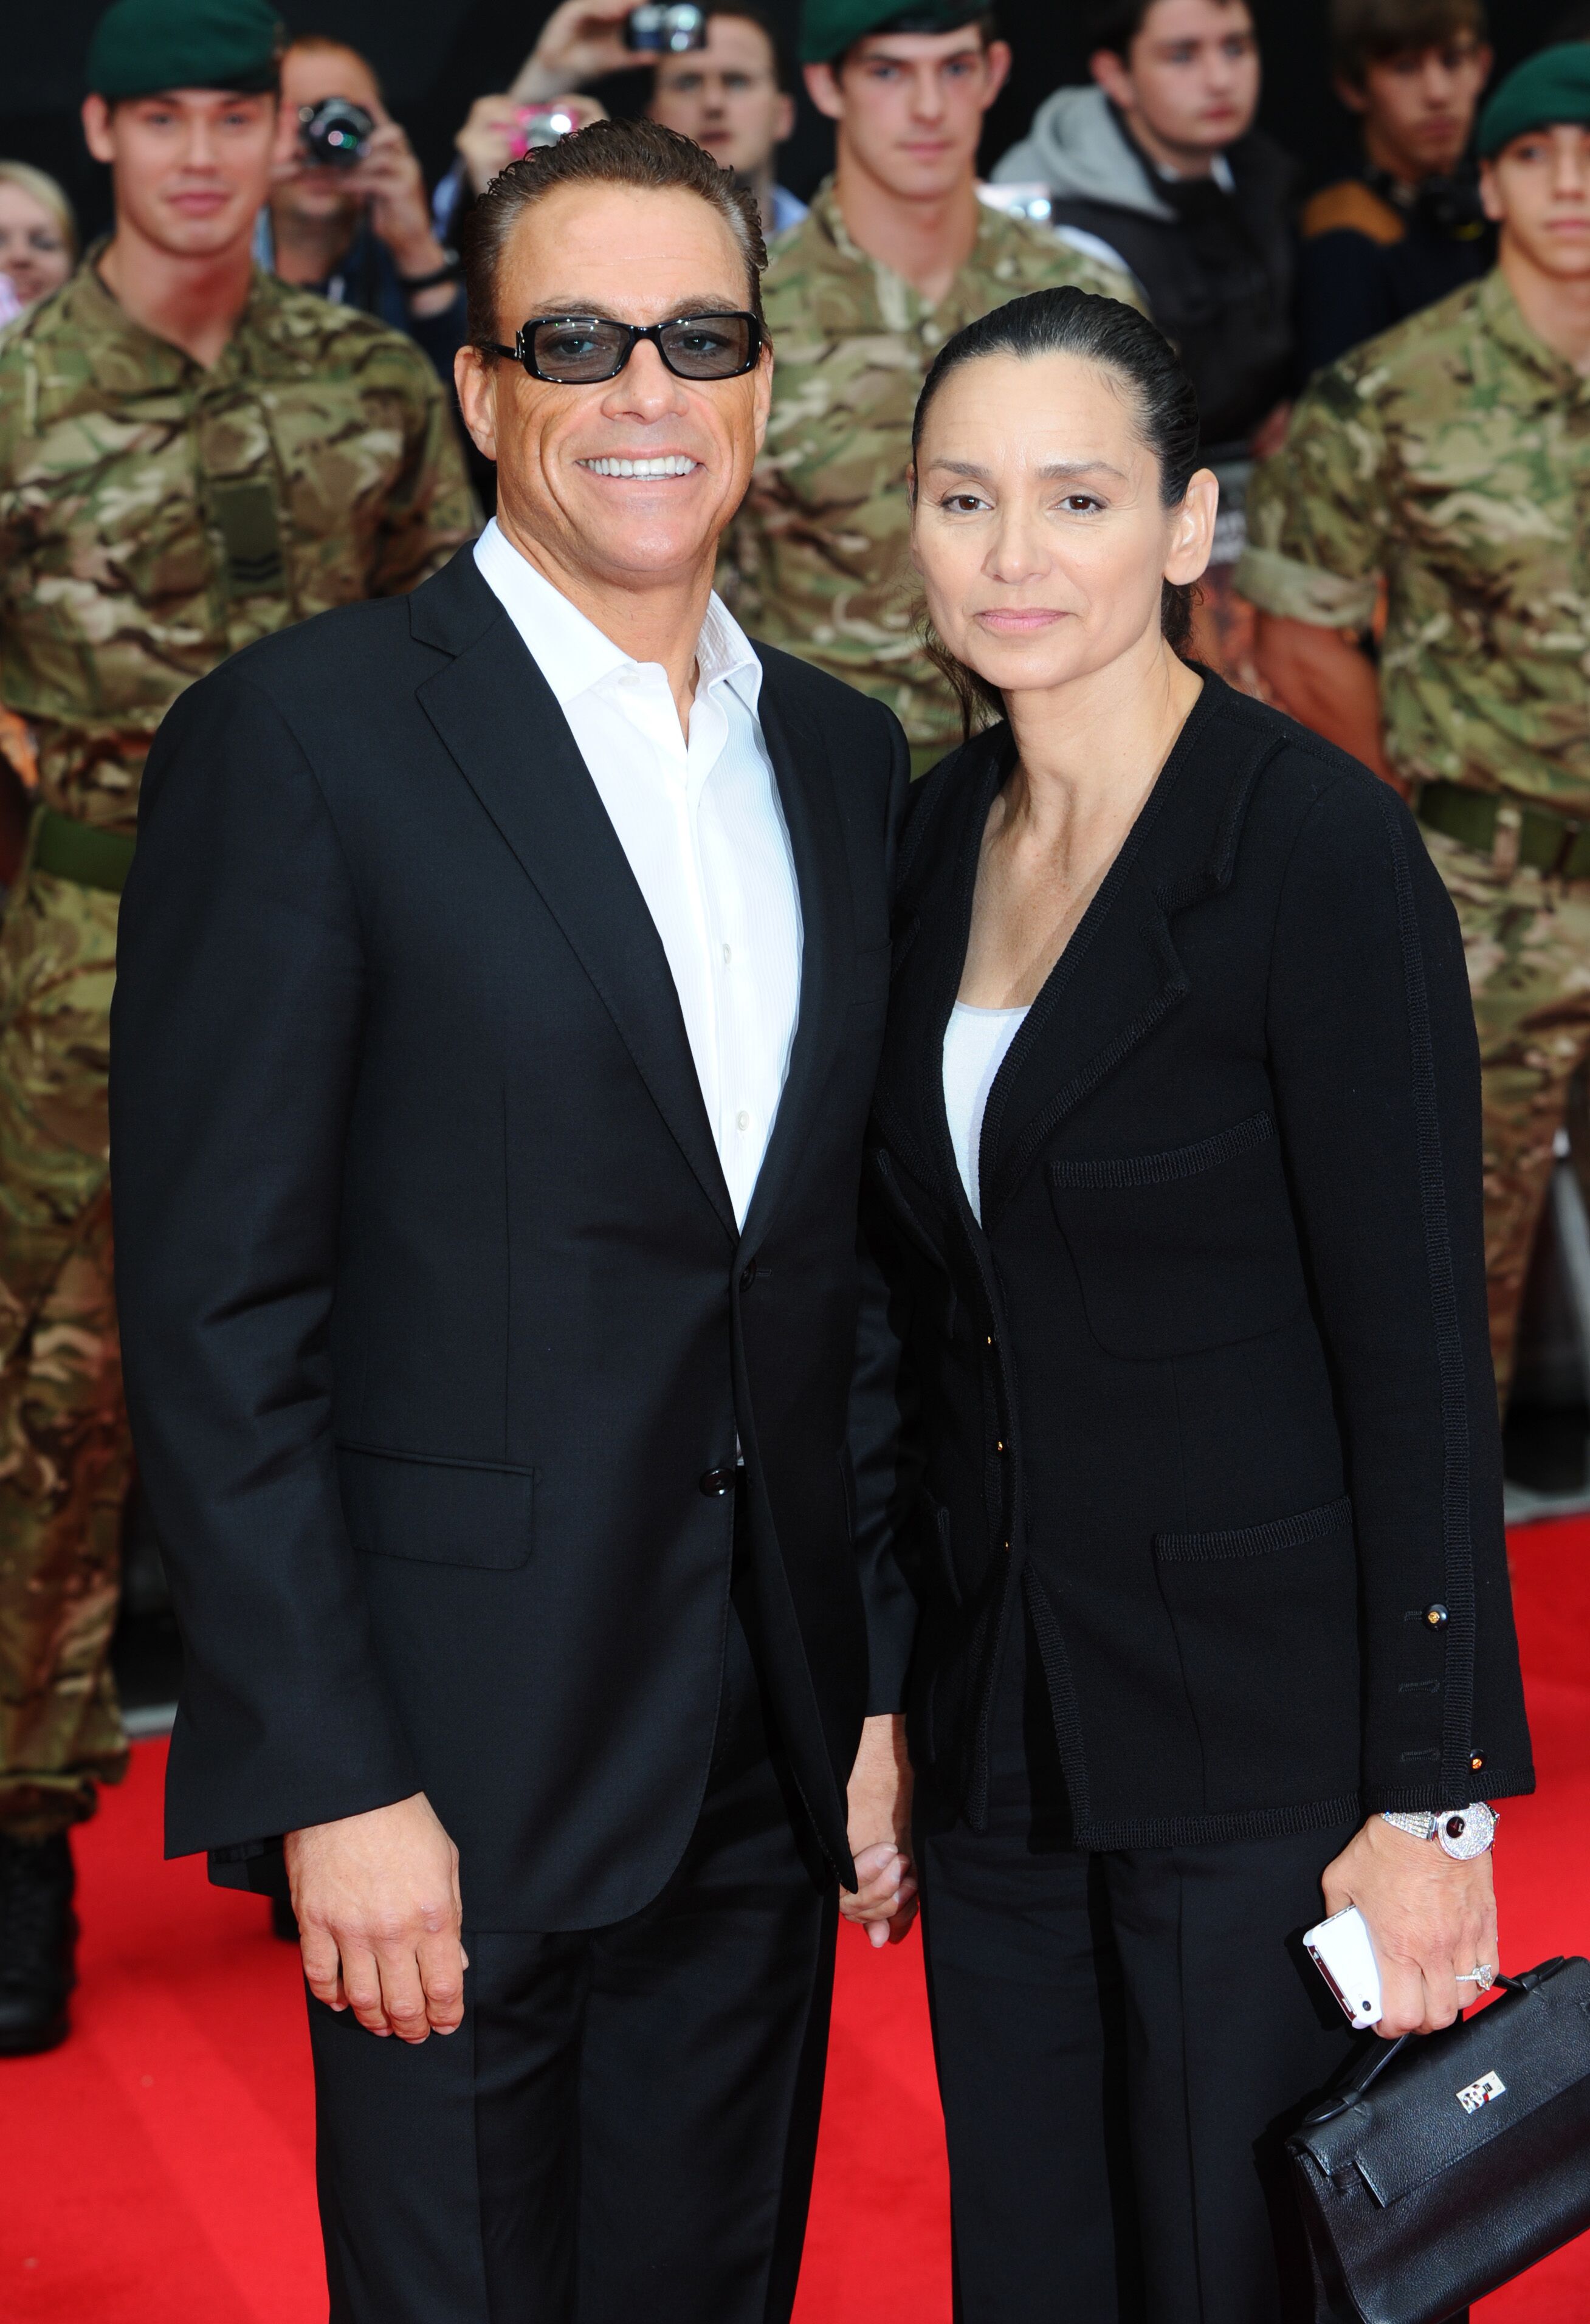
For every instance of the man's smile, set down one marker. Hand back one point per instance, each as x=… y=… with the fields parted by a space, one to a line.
x=660 y=464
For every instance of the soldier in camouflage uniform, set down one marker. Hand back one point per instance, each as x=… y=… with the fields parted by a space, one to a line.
x=820 y=561
x=157 y=511
x=1446 y=466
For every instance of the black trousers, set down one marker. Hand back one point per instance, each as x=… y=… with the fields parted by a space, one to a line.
x=622 y=2128
x=1122 y=2041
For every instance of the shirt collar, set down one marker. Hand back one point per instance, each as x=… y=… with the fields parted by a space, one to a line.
x=573 y=655
x=1502 y=325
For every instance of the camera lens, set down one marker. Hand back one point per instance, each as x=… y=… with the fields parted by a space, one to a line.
x=335 y=133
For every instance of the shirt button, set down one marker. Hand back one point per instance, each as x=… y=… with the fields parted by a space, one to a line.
x=741 y=1119
x=727 y=956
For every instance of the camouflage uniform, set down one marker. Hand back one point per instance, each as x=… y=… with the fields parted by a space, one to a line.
x=155 y=516
x=819 y=562
x=1448 y=462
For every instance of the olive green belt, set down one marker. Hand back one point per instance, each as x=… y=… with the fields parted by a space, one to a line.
x=78 y=852
x=1556 y=844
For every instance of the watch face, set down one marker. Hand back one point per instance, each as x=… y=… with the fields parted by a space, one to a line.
x=1466 y=1831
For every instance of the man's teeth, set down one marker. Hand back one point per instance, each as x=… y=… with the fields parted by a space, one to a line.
x=670 y=463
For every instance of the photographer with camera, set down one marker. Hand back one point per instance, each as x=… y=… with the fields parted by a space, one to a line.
x=348 y=215
x=722 y=80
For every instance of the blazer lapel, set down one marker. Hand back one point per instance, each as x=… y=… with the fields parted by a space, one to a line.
x=1121 y=974
x=805 y=779
x=1116 y=978
x=502 y=725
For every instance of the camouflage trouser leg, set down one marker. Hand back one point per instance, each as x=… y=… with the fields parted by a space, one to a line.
x=65 y=1457
x=1527 y=941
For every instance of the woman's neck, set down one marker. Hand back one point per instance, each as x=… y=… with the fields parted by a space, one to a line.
x=1090 y=751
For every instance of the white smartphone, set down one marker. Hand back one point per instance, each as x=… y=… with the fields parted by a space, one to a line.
x=1341 y=1950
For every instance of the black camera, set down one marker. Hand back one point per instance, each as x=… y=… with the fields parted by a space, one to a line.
x=336 y=133
x=665 y=27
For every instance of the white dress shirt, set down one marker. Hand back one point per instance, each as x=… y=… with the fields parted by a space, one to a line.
x=702 y=826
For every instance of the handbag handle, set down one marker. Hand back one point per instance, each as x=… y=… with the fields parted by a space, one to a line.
x=1375 y=2063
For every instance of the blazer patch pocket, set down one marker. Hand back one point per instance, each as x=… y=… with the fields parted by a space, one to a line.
x=437 y=1512
x=1190 y=1248
x=1266 y=1624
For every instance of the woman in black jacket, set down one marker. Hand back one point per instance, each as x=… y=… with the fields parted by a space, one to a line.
x=1177 y=1161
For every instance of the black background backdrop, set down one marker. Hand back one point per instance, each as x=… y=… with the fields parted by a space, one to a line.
x=435 y=55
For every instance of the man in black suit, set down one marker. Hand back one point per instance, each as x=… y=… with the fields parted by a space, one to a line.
x=502 y=981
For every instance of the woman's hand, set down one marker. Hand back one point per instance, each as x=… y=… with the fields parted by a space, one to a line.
x=1429 y=1917
x=879 y=1799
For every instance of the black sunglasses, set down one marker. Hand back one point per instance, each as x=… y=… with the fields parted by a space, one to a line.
x=584 y=350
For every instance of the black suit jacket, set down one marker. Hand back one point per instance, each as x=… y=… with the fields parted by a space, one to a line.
x=438 y=1329
x=1210 y=1387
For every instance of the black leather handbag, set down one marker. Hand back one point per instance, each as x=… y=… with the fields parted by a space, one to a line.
x=1450 y=2163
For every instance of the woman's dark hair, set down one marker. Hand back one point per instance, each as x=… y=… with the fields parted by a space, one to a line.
x=1102 y=331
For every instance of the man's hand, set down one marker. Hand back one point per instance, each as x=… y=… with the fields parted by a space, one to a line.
x=579 y=42
x=391 y=180
x=379 y=1914
x=1429 y=1917
x=879 y=1803
x=1322 y=678
x=489 y=139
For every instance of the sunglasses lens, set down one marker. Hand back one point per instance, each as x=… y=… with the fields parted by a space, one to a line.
x=709 y=346
x=580 y=349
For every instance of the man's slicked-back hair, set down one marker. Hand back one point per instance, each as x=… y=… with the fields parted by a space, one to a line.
x=639 y=153
x=1364 y=32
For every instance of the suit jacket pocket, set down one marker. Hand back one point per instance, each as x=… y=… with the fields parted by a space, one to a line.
x=1266 y=1624
x=1191 y=1247
x=437 y=1512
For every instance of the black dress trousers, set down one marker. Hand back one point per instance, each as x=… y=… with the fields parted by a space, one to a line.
x=1123 y=2039
x=625 y=2125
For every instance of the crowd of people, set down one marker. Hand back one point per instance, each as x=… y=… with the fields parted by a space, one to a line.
x=246 y=405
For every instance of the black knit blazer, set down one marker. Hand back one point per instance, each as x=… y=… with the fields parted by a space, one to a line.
x=1210 y=1387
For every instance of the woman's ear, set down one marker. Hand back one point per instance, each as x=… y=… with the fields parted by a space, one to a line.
x=1192 y=528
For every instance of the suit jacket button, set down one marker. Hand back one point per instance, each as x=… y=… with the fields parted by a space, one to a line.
x=717 y=1480
x=1436 y=1617
x=748 y=1275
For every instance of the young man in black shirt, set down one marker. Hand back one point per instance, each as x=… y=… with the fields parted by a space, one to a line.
x=1407 y=229
x=1160 y=161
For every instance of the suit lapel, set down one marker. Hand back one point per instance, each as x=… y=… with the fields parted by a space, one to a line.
x=805 y=779
x=1116 y=978
x=1121 y=976
x=504 y=732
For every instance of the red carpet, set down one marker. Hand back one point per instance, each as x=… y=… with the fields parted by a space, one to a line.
x=158 y=2169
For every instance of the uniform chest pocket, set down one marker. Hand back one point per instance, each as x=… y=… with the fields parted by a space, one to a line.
x=1478 y=507
x=1189 y=1249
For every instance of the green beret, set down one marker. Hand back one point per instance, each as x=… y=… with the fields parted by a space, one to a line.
x=142 y=48
x=1545 y=89
x=829 y=27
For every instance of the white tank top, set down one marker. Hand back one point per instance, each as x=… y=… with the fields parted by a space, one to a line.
x=974 y=1044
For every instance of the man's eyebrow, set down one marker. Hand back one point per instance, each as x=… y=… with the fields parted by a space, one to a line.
x=706 y=302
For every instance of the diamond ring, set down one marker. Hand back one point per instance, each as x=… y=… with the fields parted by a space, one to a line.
x=1483 y=1974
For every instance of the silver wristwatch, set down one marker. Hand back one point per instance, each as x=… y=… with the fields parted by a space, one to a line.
x=1462 y=1832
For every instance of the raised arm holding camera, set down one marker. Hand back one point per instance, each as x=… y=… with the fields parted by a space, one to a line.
x=348 y=215
x=722 y=80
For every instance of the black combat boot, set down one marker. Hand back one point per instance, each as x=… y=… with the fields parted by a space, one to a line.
x=38 y=1942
